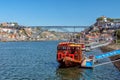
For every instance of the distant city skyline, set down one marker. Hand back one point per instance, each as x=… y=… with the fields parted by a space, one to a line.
x=57 y=12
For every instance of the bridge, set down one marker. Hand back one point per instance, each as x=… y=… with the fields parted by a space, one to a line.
x=61 y=26
x=64 y=28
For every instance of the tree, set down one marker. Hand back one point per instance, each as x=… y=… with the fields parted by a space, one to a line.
x=117 y=36
x=110 y=19
x=16 y=24
x=100 y=19
x=117 y=33
x=78 y=36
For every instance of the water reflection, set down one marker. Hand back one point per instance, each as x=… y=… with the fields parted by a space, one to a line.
x=70 y=73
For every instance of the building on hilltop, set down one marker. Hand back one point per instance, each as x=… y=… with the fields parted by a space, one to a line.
x=116 y=22
x=105 y=22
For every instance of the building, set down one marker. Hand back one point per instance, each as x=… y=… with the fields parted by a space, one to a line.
x=8 y=24
x=104 y=22
x=116 y=23
x=4 y=24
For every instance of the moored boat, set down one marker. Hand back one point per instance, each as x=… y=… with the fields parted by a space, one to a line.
x=70 y=54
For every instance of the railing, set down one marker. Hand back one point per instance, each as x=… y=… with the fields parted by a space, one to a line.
x=108 y=54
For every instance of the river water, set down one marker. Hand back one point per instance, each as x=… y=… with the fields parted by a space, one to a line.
x=37 y=61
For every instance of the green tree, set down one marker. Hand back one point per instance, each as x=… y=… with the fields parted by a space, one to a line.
x=117 y=33
x=16 y=24
x=78 y=36
x=110 y=19
x=100 y=19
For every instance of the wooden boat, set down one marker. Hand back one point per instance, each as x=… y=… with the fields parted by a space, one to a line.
x=69 y=54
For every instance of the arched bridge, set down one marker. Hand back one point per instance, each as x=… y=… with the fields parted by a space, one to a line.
x=64 y=28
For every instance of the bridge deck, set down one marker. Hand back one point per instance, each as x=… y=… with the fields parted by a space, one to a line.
x=62 y=26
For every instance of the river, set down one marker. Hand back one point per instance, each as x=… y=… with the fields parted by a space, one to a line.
x=37 y=61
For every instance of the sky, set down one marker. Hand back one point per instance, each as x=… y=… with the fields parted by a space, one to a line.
x=57 y=12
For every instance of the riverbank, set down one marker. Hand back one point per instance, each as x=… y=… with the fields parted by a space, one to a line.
x=112 y=47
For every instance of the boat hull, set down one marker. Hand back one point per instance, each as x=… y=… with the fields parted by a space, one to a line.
x=69 y=62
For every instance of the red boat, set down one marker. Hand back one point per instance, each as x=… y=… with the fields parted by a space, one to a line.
x=69 y=54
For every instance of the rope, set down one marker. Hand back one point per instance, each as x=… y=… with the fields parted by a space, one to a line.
x=106 y=63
